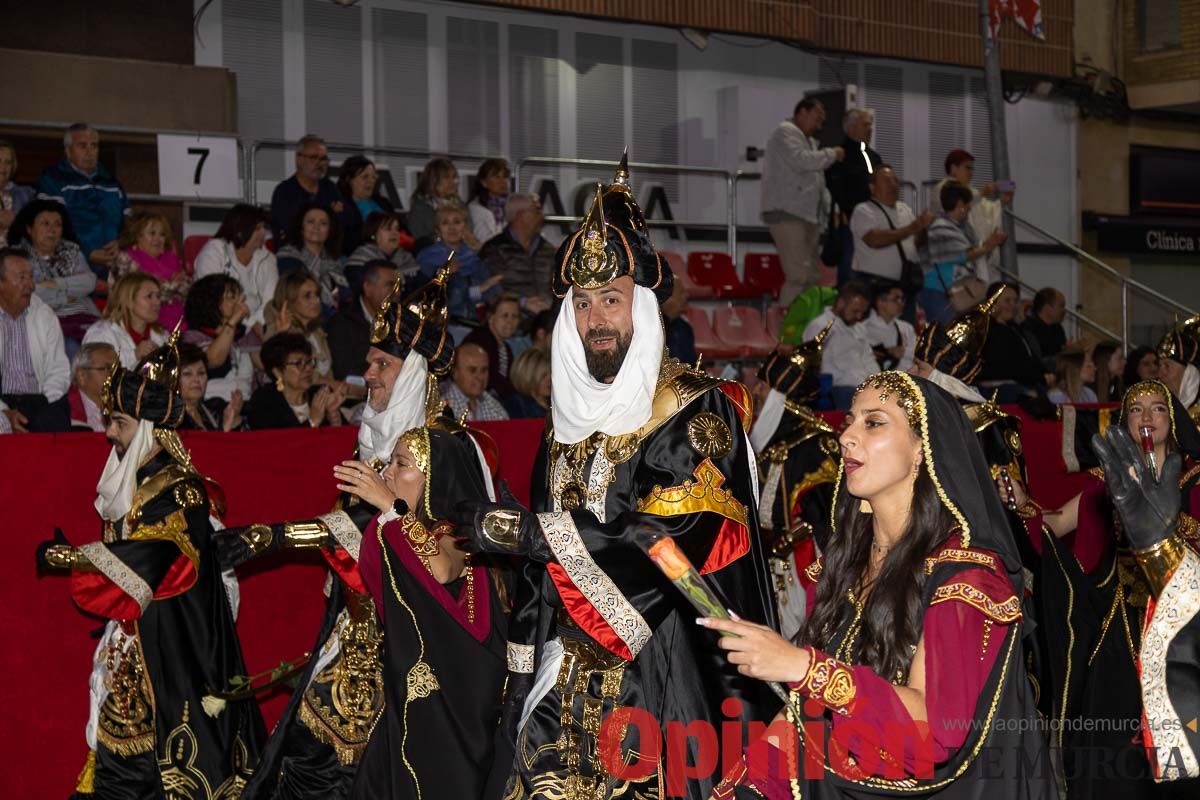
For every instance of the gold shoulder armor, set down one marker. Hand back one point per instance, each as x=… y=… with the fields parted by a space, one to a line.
x=678 y=386
x=161 y=481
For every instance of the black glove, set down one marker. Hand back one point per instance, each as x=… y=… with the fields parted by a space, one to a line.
x=504 y=527
x=1149 y=507
x=236 y=546
x=47 y=564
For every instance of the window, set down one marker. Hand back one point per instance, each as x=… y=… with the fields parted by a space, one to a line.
x=1158 y=25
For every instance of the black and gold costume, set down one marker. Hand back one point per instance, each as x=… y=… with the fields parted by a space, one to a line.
x=1182 y=344
x=170 y=644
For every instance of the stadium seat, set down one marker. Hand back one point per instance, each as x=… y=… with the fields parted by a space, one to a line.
x=775 y=315
x=191 y=248
x=675 y=262
x=707 y=343
x=764 y=273
x=715 y=270
x=741 y=327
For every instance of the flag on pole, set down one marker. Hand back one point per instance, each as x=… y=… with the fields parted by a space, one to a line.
x=1026 y=13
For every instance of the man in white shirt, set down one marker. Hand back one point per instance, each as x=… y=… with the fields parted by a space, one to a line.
x=795 y=202
x=848 y=359
x=892 y=339
x=34 y=374
x=884 y=228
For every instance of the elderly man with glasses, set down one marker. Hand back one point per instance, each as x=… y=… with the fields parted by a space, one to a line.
x=310 y=185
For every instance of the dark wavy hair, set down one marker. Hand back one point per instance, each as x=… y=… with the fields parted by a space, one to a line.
x=202 y=308
x=240 y=222
x=276 y=350
x=892 y=615
x=333 y=243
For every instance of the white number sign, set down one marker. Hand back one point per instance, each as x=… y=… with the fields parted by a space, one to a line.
x=198 y=166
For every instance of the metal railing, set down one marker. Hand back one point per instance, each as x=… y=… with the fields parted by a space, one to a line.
x=1078 y=316
x=1127 y=284
x=641 y=167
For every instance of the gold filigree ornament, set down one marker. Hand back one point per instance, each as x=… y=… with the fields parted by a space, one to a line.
x=895 y=383
x=501 y=526
x=709 y=435
x=574 y=496
x=593 y=265
x=421 y=681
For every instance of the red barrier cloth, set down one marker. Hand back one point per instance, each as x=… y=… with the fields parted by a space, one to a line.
x=268 y=476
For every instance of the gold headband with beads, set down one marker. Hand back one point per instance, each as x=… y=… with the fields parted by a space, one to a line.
x=417 y=442
x=1146 y=389
x=895 y=382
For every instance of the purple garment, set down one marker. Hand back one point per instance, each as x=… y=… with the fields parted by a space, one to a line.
x=16 y=362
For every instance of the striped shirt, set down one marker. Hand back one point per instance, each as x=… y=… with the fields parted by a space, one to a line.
x=16 y=362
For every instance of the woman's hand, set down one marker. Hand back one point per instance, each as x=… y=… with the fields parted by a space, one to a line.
x=471 y=241
x=490 y=282
x=363 y=482
x=758 y=651
x=145 y=347
x=536 y=304
x=318 y=407
x=232 y=417
x=283 y=320
x=337 y=396
x=920 y=368
x=240 y=312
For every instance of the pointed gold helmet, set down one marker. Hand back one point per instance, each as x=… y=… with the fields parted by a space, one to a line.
x=1182 y=342
x=797 y=375
x=418 y=322
x=956 y=348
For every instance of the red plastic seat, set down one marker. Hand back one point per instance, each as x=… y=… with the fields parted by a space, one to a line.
x=693 y=290
x=192 y=245
x=742 y=327
x=715 y=270
x=269 y=243
x=775 y=315
x=764 y=273
x=707 y=343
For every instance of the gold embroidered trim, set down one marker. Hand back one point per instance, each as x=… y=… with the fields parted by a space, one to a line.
x=813 y=571
x=1007 y=611
x=829 y=682
x=959 y=556
x=118 y=572
x=126 y=723
x=1178 y=605
x=173 y=528
x=344 y=531
x=520 y=658
x=692 y=497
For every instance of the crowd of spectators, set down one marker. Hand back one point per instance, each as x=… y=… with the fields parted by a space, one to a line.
x=275 y=311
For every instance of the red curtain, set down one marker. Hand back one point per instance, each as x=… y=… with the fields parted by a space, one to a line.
x=50 y=480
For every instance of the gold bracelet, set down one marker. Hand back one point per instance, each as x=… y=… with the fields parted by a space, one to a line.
x=301 y=535
x=1159 y=562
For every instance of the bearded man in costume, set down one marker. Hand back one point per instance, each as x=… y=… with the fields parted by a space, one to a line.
x=637 y=439
x=155 y=728
x=799 y=451
x=1179 y=364
x=315 y=749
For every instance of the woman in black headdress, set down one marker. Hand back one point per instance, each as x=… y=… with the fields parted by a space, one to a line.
x=1093 y=579
x=444 y=645
x=912 y=652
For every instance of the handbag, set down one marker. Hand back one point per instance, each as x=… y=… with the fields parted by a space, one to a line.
x=965 y=292
x=912 y=277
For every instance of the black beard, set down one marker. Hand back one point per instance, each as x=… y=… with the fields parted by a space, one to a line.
x=606 y=365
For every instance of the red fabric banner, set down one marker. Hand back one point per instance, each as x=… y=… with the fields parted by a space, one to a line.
x=268 y=476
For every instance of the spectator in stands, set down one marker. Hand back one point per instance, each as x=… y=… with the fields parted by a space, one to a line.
x=94 y=199
x=359 y=186
x=953 y=250
x=848 y=181
x=89 y=370
x=884 y=230
x=148 y=245
x=531 y=385
x=681 y=339
x=541 y=327
x=1073 y=371
x=986 y=215
x=1008 y=361
x=215 y=313
x=467 y=391
x=1043 y=328
x=893 y=340
x=521 y=255
x=60 y=270
x=291 y=399
x=795 y=201
x=383 y=238
x=349 y=330
x=308 y=187
x=12 y=197
x=471 y=283
x=848 y=358
x=130 y=323
x=1109 y=362
x=1140 y=365
x=314 y=246
x=486 y=203
x=296 y=308
x=437 y=186
x=500 y=323
x=34 y=374
x=199 y=413
x=237 y=251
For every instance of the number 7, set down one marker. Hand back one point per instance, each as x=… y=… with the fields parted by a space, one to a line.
x=203 y=153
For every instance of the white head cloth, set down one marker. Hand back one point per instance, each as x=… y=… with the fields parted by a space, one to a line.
x=768 y=420
x=379 y=430
x=956 y=387
x=582 y=405
x=1189 y=385
x=114 y=492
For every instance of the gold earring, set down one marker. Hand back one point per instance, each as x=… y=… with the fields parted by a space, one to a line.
x=279 y=383
x=864 y=506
